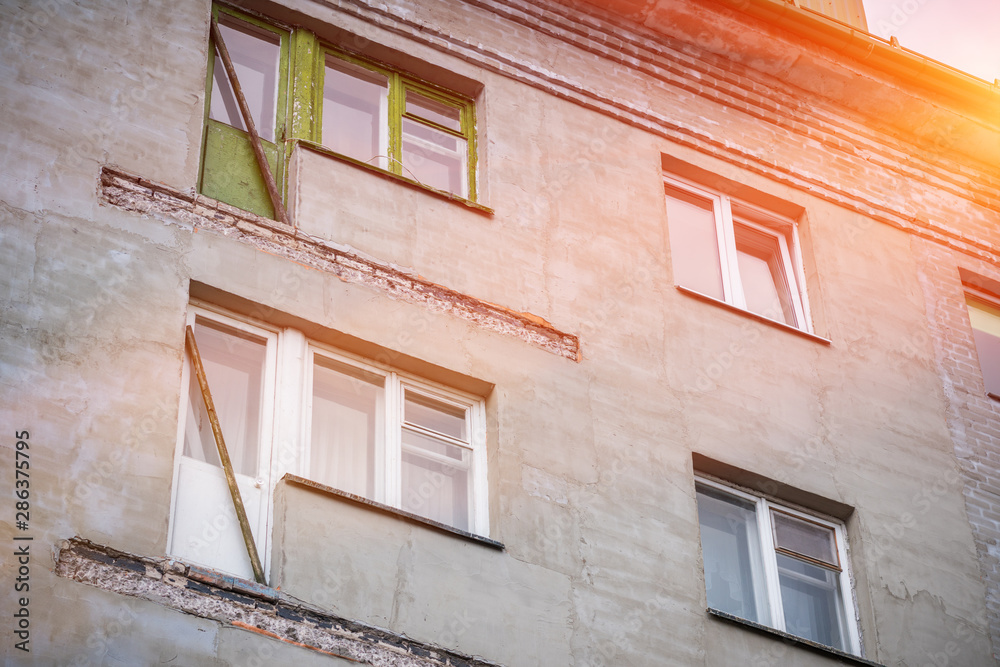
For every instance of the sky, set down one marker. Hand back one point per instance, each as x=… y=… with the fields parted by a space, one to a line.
x=961 y=33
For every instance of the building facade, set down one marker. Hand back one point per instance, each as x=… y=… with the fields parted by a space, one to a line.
x=623 y=333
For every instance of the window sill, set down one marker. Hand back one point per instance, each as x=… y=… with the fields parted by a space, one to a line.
x=441 y=194
x=392 y=511
x=792 y=639
x=754 y=316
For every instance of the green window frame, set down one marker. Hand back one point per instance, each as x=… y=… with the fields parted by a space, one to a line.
x=229 y=170
x=426 y=135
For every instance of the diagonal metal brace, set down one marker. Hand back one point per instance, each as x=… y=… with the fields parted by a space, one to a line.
x=227 y=464
x=258 y=149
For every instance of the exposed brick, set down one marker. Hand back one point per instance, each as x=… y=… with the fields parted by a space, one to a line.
x=286 y=621
x=120 y=190
x=978 y=439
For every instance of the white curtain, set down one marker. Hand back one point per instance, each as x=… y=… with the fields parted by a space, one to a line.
x=234 y=367
x=347 y=422
x=435 y=478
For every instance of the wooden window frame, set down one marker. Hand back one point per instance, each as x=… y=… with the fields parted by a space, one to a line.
x=301 y=78
x=388 y=487
x=399 y=84
x=266 y=478
x=257 y=200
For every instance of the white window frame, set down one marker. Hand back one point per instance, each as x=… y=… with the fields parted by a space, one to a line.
x=784 y=230
x=388 y=454
x=260 y=521
x=767 y=554
x=286 y=422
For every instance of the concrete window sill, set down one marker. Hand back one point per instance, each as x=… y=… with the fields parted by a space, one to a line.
x=441 y=194
x=392 y=511
x=792 y=639
x=754 y=316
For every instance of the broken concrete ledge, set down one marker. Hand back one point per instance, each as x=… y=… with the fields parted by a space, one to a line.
x=247 y=605
x=133 y=193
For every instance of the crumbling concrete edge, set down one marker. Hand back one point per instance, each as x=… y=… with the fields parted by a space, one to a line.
x=133 y=193
x=246 y=605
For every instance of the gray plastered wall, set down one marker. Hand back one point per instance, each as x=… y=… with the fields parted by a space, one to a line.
x=590 y=461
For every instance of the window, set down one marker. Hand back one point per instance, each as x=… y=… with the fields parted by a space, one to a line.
x=736 y=252
x=383 y=118
x=395 y=440
x=348 y=423
x=229 y=170
x=985 y=317
x=240 y=364
x=776 y=566
x=353 y=107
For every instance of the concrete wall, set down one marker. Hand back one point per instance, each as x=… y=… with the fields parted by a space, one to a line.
x=591 y=477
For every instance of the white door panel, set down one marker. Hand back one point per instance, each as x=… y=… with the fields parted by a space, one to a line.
x=206 y=530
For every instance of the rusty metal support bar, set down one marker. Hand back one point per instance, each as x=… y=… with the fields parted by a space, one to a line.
x=258 y=149
x=227 y=464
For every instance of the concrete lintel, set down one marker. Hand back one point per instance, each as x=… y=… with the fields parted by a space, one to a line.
x=246 y=605
x=760 y=484
x=133 y=193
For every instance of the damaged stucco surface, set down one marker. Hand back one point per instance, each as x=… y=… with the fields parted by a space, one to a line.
x=590 y=461
x=266 y=612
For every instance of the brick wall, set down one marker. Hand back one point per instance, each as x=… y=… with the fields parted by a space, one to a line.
x=973 y=417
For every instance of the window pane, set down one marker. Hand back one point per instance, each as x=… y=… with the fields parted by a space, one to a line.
x=435 y=415
x=255 y=55
x=805 y=538
x=414 y=441
x=234 y=366
x=347 y=425
x=986 y=330
x=355 y=112
x=810 y=596
x=436 y=487
x=694 y=243
x=444 y=115
x=435 y=158
x=730 y=544
x=762 y=274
